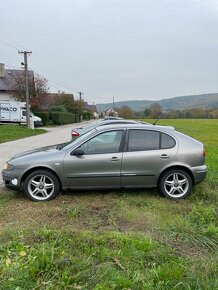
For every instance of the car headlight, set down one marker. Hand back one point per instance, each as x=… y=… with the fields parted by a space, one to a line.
x=8 y=167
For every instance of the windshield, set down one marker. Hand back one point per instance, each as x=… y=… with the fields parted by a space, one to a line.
x=68 y=145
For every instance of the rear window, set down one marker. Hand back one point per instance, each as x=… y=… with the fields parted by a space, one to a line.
x=167 y=141
x=143 y=140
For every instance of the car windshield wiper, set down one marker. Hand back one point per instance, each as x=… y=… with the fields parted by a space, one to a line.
x=60 y=146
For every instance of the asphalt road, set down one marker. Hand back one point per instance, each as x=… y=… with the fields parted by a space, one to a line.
x=55 y=135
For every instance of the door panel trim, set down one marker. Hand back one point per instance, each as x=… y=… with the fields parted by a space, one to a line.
x=93 y=176
x=136 y=174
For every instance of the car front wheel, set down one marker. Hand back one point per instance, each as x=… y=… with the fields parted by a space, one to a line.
x=175 y=184
x=41 y=185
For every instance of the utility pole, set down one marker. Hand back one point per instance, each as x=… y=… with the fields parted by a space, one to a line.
x=25 y=53
x=113 y=104
x=80 y=95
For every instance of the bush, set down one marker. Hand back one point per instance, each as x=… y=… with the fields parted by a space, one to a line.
x=60 y=108
x=60 y=118
x=44 y=116
x=77 y=118
x=87 y=115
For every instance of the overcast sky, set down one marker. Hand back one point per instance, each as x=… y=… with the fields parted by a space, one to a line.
x=127 y=49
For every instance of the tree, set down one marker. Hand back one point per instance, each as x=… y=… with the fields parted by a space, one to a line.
x=147 y=113
x=40 y=94
x=155 y=110
x=38 y=88
x=125 y=112
x=72 y=106
x=214 y=114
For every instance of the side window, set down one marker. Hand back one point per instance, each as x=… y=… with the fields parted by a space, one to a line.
x=23 y=113
x=107 y=142
x=141 y=140
x=167 y=141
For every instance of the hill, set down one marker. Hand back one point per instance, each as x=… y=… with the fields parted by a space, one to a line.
x=208 y=101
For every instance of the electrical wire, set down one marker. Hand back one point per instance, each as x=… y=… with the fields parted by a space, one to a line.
x=12 y=44
x=9 y=44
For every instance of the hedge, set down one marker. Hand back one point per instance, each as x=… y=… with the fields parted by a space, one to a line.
x=44 y=116
x=87 y=115
x=60 y=118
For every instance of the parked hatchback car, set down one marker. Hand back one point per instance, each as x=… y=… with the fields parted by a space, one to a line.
x=115 y=156
x=76 y=132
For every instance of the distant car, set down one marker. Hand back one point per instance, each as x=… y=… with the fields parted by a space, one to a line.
x=75 y=133
x=112 y=118
x=109 y=157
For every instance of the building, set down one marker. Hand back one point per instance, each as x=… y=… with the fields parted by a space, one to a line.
x=10 y=81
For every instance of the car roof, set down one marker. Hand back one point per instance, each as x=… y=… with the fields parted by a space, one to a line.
x=112 y=118
x=135 y=126
x=106 y=122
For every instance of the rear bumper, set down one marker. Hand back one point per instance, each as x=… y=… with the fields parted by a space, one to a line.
x=199 y=173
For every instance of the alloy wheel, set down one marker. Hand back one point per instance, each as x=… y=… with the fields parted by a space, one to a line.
x=41 y=187
x=176 y=185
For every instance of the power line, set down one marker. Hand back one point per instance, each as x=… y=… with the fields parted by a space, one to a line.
x=52 y=82
x=12 y=44
x=9 y=44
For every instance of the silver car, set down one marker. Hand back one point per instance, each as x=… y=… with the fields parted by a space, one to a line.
x=115 y=156
x=76 y=132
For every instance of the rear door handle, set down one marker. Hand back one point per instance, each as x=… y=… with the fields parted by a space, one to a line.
x=164 y=156
x=115 y=159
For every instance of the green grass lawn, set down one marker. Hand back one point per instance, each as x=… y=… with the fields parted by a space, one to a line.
x=130 y=239
x=14 y=132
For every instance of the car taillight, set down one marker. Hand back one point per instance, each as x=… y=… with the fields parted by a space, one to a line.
x=204 y=152
x=75 y=134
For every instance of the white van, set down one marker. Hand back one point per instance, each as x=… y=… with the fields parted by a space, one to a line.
x=15 y=112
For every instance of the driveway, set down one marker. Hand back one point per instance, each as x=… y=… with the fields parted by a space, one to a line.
x=54 y=135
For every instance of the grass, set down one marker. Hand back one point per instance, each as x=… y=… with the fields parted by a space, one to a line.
x=130 y=239
x=13 y=132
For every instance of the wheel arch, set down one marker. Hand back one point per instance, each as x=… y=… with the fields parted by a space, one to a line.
x=187 y=170
x=30 y=170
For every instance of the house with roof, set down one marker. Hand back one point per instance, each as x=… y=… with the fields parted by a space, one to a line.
x=10 y=80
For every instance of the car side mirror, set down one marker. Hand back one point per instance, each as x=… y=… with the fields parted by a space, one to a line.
x=77 y=152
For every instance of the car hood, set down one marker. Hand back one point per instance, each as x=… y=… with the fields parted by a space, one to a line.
x=46 y=149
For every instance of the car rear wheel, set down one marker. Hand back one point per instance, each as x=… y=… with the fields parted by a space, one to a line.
x=41 y=185
x=175 y=184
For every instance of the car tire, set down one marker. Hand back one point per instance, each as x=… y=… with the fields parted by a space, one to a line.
x=41 y=185
x=175 y=184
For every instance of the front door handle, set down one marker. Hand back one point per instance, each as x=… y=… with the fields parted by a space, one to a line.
x=115 y=159
x=164 y=156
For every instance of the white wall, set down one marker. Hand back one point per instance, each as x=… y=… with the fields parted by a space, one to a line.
x=6 y=97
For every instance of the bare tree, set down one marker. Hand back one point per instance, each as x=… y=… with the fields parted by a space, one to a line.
x=155 y=110
x=38 y=88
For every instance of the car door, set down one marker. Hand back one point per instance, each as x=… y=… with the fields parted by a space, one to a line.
x=147 y=153
x=99 y=166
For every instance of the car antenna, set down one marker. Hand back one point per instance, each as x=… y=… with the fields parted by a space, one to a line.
x=157 y=119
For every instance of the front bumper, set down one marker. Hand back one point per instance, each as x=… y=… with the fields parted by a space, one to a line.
x=11 y=179
x=199 y=173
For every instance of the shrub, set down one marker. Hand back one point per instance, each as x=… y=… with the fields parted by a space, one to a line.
x=77 y=118
x=60 y=108
x=87 y=115
x=44 y=116
x=60 y=118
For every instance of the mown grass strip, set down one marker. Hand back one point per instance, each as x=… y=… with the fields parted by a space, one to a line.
x=14 y=132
